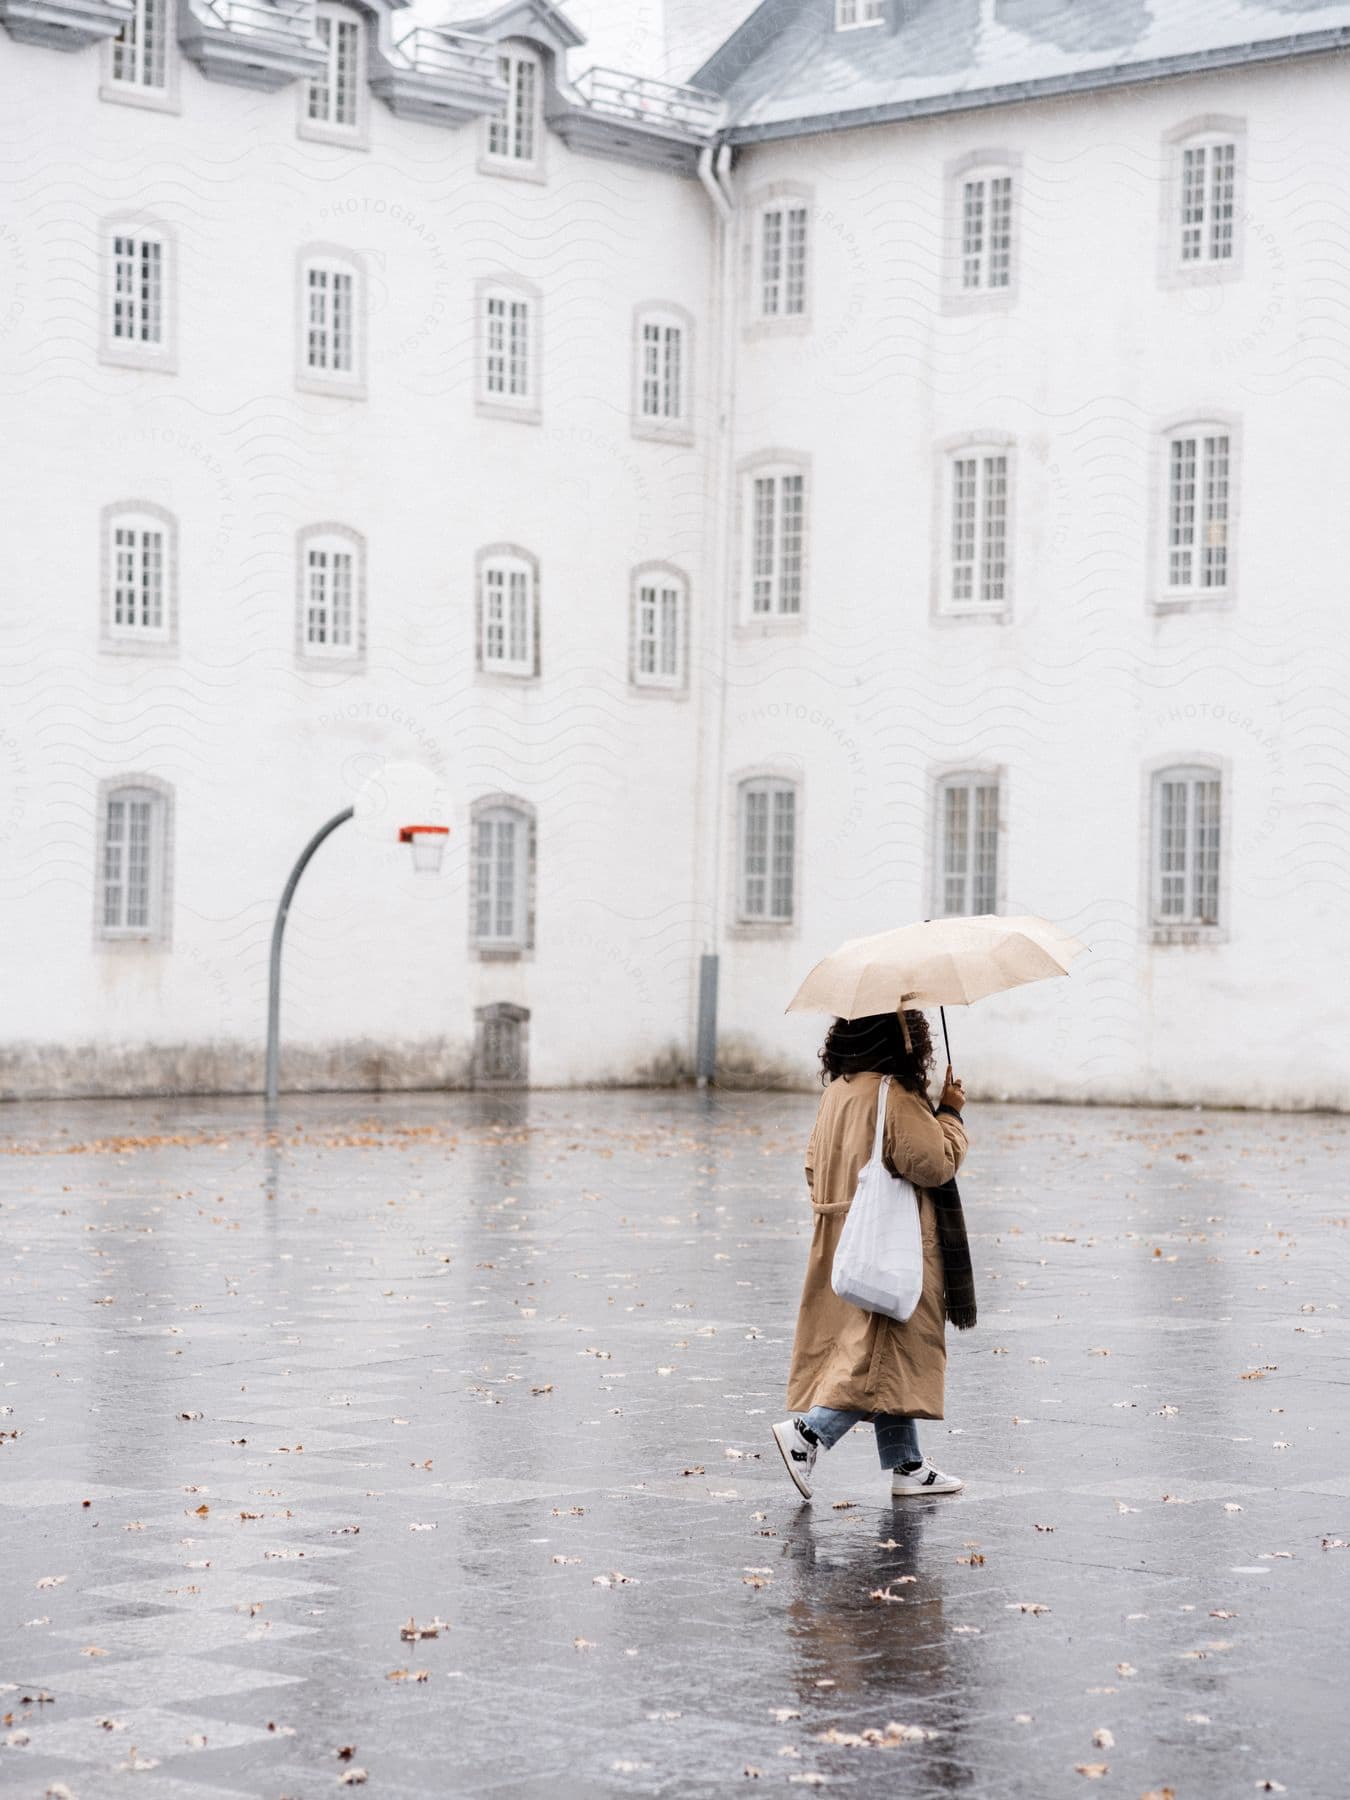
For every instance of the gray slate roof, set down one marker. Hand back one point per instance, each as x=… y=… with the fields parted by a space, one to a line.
x=787 y=70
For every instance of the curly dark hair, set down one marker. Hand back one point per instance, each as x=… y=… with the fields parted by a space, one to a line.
x=877 y=1044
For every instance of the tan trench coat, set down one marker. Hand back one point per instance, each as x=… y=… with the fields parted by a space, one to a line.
x=841 y=1356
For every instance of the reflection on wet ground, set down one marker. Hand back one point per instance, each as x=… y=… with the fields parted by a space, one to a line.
x=496 y=1373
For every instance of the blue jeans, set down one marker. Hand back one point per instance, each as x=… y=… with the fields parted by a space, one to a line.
x=897 y=1434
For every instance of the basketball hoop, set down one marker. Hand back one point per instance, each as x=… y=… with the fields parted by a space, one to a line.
x=428 y=845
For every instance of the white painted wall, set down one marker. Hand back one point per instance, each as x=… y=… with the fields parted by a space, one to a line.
x=1084 y=687
x=260 y=750
x=1073 y=698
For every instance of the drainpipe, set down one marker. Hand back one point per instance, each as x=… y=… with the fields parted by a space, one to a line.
x=714 y=171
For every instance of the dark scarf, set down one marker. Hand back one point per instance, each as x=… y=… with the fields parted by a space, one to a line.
x=959 y=1277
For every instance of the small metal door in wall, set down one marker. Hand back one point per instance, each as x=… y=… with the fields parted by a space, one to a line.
x=501 y=1046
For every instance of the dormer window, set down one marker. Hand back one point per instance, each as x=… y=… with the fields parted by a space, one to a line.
x=514 y=133
x=848 y=14
x=332 y=97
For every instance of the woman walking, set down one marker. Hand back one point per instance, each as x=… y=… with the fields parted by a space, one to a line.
x=849 y=1365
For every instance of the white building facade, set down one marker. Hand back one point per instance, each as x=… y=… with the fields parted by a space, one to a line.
x=888 y=478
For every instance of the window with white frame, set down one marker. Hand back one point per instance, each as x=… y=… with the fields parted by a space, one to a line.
x=513 y=135
x=139 y=561
x=140 y=51
x=507 y=602
x=662 y=370
x=766 y=817
x=967 y=845
x=849 y=13
x=977 y=530
x=985 y=223
x=660 y=615
x=333 y=93
x=502 y=849
x=137 y=289
x=331 y=297
x=131 y=879
x=1207 y=195
x=1187 y=844
x=507 y=328
x=781 y=236
x=1199 y=460
x=776 y=537
x=330 y=577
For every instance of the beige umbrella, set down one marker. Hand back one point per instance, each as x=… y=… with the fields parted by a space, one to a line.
x=942 y=962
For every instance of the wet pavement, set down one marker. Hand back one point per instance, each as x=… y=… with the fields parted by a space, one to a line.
x=504 y=1366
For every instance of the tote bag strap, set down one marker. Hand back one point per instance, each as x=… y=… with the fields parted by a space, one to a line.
x=881 y=1118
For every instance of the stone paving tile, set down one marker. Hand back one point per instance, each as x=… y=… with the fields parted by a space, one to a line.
x=153 y=1730
x=581 y=1307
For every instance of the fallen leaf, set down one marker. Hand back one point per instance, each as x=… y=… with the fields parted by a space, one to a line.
x=1093 y=1771
x=408 y=1675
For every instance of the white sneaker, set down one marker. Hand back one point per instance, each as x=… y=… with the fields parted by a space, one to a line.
x=924 y=1480
x=798 y=1452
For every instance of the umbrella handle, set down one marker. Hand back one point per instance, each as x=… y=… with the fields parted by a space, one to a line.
x=946 y=1043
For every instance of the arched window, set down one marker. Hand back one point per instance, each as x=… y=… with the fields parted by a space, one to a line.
x=514 y=135
x=501 y=1046
x=133 y=852
x=977 y=482
x=503 y=870
x=1206 y=199
x=508 y=612
x=774 y=508
x=139 y=54
x=984 y=205
x=331 y=322
x=766 y=839
x=660 y=627
x=967 y=830
x=140 y=567
x=781 y=250
x=138 y=294
x=508 y=372
x=1187 y=842
x=331 y=592
x=333 y=97
x=662 y=345
x=1198 y=504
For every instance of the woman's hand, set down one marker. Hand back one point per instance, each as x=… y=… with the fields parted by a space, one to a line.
x=953 y=1092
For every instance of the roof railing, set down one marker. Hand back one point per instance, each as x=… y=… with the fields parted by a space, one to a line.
x=648 y=101
x=292 y=20
x=437 y=50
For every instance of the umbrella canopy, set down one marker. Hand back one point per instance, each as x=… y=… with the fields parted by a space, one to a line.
x=942 y=962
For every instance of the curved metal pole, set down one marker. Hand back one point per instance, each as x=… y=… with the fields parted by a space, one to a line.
x=274 y=968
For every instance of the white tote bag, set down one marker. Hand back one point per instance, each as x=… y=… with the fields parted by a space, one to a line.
x=879 y=1262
